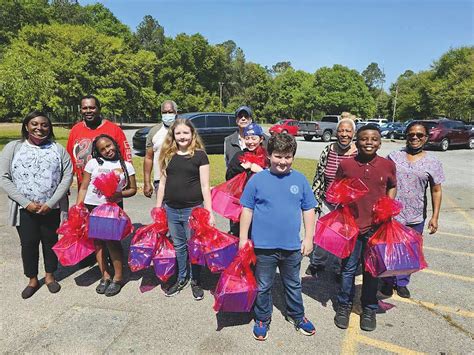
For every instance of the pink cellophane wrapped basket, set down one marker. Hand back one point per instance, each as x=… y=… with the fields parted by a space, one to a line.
x=337 y=231
x=143 y=245
x=74 y=245
x=394 y=249
x=109 y=222
x=237 y=287
x=208 y=245
x=164 y=260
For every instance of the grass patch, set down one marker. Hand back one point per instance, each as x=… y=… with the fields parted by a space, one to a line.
x=11 y=132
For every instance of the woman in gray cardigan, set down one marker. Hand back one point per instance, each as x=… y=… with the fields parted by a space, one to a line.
x=36 y=173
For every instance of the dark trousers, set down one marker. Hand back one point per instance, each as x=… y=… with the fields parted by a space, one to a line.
x=349 y=269
x=33 y=229
x=289 y=264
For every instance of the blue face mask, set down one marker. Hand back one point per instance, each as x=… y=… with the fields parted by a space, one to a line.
x=168 y=118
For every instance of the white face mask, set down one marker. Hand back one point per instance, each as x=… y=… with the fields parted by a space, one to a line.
x=168 y=118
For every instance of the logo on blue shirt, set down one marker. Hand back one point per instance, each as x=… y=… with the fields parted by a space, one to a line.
x=294 y=189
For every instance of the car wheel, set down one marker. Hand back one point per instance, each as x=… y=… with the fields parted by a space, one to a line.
x=471 y=143
x=307 y=137
x=444 y=145
x=326 y=137
x=392 y=136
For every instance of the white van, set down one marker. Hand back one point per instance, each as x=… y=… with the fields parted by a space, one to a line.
x=380 y=121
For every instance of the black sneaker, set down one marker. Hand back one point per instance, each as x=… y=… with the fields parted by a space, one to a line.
x=387 y=289
x=198 y=293
x=177 y=287
x=341 y=319
x=403 y=291
x=367 y=319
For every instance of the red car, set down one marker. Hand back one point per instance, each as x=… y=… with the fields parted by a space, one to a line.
x=285 y=126
x=445 y=133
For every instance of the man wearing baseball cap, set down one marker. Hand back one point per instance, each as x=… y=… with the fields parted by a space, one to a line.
x=235 y=142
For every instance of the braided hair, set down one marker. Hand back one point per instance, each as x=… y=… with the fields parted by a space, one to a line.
x=118 y=156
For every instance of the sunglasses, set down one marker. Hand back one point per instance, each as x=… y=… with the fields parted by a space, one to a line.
x=417 y=135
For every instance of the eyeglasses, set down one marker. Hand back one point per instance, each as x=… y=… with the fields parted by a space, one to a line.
x=417 y=135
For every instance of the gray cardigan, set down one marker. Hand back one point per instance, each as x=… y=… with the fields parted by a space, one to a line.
x=16 y=199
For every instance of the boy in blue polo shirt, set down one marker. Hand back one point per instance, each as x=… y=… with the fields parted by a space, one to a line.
x=272 y=202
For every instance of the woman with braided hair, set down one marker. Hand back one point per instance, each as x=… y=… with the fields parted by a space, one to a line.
x=106 y=157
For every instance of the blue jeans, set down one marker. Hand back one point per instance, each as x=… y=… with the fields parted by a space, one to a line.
x=404 y=280
x=178 y=224
x=349 y=269
x=289 y=263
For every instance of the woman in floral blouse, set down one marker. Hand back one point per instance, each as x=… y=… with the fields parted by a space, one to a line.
x=416 y=169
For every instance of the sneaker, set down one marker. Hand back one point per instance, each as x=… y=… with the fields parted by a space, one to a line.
x=198 y=293
x=304 y=325
x=387 y=289
x=341 y=319
x=368 y=321
x=260 y=330
x=102 y=286
x=177 y=287
x=403 y=291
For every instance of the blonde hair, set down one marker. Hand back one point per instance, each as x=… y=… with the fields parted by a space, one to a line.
x=170 y=147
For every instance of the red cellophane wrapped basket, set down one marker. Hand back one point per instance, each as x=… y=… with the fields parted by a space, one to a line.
x=108 y=221
x=337 y=231
x=143 y=245
x=225 y=197
x=74 y=245
x=208 y=245
x=237 y=287
x=394 y=249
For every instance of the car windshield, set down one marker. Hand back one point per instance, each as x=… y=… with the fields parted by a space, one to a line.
x=430 y=125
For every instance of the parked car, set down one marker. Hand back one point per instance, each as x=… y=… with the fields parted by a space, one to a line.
x=326 y=128
x=387 y=130
x=285 y=126
x=213 y=127
x=444 y=133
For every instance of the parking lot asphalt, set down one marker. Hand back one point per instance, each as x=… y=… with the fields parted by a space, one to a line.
x=437 y=319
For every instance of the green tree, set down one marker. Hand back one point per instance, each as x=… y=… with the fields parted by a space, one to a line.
x=280 y=67
x=373 y=76
x=15 y=14
x=150 y=35
x=453 y=83
x=339 y=89
x=292 y=95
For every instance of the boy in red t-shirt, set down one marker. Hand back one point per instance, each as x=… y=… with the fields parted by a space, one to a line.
x=379 y=175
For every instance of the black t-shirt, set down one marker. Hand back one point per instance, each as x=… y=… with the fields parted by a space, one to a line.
x=183 y=185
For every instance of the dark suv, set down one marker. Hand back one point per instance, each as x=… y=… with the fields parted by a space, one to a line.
x=213 y=127
x=444 y=133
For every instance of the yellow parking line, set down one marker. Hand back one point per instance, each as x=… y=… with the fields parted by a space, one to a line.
x=455 y=235
x=460 y=210
x=449 y=251
x=437 y=307
x=445 y=274
x=349 y=344
x=386 y=346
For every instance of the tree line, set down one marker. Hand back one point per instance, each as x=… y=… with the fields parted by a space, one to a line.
x=53 y=52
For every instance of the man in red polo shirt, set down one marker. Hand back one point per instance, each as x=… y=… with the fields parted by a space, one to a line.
x=379 y=175
x=79 y=143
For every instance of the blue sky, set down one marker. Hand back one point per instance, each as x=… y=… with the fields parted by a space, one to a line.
x=398 y=35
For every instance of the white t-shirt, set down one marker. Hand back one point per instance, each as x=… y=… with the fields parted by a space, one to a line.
x=158 y=140
x=93 y=196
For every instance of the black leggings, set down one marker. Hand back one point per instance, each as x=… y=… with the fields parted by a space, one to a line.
x=33 y=229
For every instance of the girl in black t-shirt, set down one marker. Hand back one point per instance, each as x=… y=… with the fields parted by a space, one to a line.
x=184 y=184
